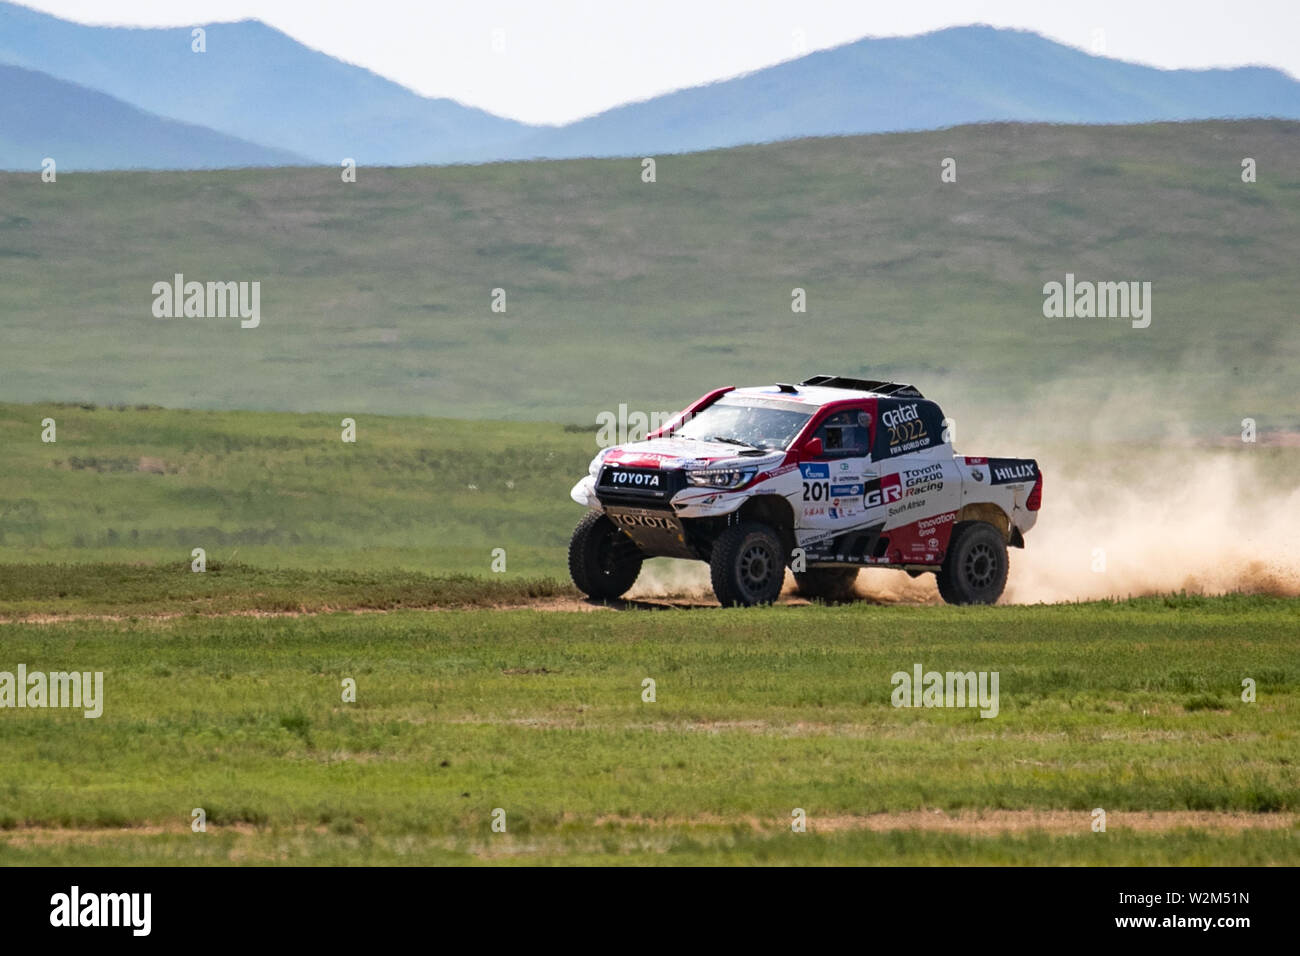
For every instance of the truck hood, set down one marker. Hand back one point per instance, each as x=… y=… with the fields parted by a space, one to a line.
x=686 y=453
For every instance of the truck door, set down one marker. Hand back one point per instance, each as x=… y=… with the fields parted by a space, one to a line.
x=832 y=485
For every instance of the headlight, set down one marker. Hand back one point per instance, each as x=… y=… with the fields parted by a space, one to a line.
x=594 y=468
x=720 y=477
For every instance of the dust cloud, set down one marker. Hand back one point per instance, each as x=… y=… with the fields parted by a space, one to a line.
x=1117 y=521
x=1204 y=521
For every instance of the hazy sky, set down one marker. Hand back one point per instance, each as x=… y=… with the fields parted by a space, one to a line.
x=551 y=61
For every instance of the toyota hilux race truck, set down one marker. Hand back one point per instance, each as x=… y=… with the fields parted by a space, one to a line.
x=824 y=477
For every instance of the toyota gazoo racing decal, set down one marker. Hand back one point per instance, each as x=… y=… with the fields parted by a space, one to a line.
x=1005 y=471
x=882 y=491
x=919 y=480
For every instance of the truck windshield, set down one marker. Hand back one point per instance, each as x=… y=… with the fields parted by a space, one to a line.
x=758 y=423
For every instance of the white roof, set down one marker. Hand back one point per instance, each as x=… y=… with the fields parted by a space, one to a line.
x=812 y=395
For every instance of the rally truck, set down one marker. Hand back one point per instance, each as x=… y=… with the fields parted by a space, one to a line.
x=824 y=478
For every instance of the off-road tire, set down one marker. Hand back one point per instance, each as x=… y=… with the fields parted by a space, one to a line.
x=603 y=561
x=974 y=570
x=747 y=565
x=829 y=584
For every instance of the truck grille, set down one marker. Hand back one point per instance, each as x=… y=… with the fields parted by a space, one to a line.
x=639 y=484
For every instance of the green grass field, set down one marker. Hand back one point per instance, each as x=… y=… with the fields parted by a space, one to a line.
x=480 y=688
x=1132 y=707
x=221 y=695
x=432 y=495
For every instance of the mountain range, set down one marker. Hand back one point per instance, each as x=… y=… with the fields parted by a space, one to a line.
x=122 y=97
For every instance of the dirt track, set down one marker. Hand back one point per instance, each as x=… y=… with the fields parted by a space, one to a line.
x=681 y=590
x=569 y=604
x=983 y=822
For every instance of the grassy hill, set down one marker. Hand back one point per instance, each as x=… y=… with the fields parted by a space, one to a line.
x=376 y=296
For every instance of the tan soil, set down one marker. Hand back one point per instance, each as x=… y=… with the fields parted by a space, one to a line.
x=979 y=822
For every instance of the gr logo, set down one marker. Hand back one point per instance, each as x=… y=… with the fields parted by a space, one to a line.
x=882 y=491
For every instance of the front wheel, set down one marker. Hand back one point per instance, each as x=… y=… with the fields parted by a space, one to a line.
x=974 y=570
x=603 y=561
x=747 y=566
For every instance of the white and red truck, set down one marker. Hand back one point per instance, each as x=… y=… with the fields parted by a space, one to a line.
x=823 y=477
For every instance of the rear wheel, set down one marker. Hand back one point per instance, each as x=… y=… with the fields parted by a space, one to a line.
x=829 y=584
x=974 y=570
x=603 y=561
x=747 y=566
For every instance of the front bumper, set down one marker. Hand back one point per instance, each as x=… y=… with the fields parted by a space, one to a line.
x=681 y=502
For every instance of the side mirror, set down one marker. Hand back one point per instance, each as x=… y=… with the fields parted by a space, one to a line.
x=812 y=448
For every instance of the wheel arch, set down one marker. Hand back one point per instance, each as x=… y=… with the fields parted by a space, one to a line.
x=776 y=512
x=989 y=513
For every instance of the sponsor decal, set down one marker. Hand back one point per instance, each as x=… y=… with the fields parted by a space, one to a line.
x=923 y=541
x=914 y=476
x=918 y=481
x=882 y=491
x=846 y=491
x=897 y=416
x=905 y=430
x=639 y=518
x=919 y=502
x=815 y=469
x=977 y=475
x=658 y=522
x=1004 y=471
x=816 y=490
x=927 y=525
x=975 y=461
x=634 y=479
x=625 y=454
